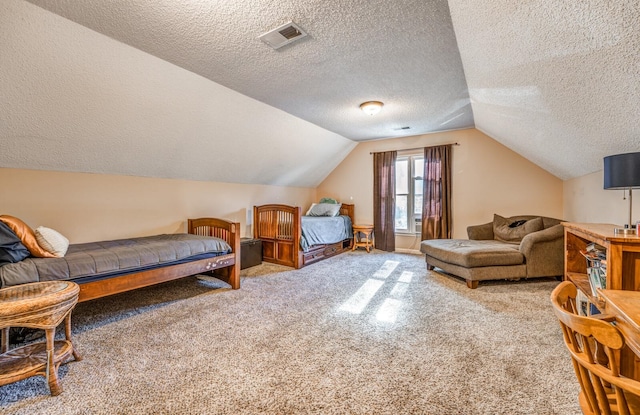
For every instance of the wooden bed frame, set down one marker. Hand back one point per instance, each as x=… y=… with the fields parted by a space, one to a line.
x=278 y=227
x=227 y=266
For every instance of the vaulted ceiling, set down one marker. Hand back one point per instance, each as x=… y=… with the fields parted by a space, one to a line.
x=555 y=80
x=403 y=54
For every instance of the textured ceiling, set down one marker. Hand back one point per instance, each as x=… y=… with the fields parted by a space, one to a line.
x=556 y=81
x=75 y=100
x=402 y=53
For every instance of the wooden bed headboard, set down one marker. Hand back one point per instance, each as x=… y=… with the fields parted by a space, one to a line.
x=348 y=210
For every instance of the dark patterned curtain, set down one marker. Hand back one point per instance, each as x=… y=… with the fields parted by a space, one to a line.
x=436 y=209
x=384 y=194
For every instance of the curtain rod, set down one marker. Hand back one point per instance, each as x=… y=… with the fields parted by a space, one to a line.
x=417 y=148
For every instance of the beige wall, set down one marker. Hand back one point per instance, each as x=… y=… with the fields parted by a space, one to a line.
x=488 y=178
x=92 y=207
x=585 y=200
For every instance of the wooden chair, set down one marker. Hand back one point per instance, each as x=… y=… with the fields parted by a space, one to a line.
x=594 y=345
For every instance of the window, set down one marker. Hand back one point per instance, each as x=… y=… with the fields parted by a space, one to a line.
x=409 y=170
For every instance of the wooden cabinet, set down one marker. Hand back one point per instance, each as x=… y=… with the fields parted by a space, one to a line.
x=623 y=268
x=623 y=256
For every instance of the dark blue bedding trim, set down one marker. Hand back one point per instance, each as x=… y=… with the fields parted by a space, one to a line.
x=92 y=278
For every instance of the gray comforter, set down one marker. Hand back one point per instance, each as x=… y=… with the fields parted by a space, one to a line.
x=112 y=257
x=318 y=230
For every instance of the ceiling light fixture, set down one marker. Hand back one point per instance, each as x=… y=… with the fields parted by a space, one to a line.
x=371 y=107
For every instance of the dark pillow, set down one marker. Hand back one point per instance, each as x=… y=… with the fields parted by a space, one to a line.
x=517 y=223
x=503 y=232
x=11 y=248
x=26 y=235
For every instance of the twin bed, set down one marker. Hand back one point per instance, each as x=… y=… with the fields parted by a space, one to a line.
x=291 y=239
x=211 y=246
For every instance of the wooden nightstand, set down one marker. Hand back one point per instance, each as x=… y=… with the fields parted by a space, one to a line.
x=362 y=237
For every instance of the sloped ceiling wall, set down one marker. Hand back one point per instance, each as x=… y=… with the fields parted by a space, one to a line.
x=75 y=100
x=403 y=53
x=556 y=81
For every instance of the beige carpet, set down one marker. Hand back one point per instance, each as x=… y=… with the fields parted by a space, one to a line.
x=356 y=334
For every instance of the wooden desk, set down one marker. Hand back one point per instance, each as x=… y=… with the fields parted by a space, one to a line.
x=624 y=306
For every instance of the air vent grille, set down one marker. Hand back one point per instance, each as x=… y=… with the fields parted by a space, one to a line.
x=283 y=35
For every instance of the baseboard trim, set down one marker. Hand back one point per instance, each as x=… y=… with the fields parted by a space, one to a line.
x=408 y=251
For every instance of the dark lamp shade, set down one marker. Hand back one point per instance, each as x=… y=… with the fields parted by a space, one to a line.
x=622 y=171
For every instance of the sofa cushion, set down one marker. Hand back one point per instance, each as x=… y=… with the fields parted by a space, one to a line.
x=503 y=230
x=469 y=253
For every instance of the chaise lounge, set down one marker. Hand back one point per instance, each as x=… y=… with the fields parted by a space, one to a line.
x=506 y=248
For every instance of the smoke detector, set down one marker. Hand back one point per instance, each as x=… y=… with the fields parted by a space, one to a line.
x=283 y=35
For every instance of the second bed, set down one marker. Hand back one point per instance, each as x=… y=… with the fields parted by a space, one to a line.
x=291 y=239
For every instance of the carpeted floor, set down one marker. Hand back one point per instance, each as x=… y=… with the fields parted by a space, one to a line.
x=355 y=334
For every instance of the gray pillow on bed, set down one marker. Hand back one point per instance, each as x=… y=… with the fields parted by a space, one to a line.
x=324 y=209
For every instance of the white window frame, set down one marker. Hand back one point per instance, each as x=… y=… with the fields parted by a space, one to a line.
x=414 y=221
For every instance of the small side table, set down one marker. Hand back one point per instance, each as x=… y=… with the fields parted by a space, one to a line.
x=362 y=237
x=39 y=305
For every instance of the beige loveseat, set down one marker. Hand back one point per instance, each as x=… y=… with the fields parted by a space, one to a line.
x=506 y=248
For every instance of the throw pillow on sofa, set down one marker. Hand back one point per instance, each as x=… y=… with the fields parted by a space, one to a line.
x=503 y=232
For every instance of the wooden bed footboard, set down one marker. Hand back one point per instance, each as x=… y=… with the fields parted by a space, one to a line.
x=279 y=229
x=226 y=267
x=229 y=232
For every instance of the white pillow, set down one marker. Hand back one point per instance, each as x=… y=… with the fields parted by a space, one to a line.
x=52 y=241
x=310 y=209
x=324 y=209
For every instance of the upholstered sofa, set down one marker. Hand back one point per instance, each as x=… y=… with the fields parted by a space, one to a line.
x=506 y=248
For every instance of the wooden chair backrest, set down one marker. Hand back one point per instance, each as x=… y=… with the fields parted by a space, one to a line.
x=594 y=346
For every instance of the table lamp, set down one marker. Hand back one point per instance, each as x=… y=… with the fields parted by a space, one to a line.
x=622 y=171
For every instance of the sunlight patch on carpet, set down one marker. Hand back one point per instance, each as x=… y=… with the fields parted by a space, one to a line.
x=388 y=311
x=399 y=290
x=358 y=301
x=386 y=269
x=406 y=276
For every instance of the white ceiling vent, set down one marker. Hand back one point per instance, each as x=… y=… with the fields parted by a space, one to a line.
x=283 y=35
